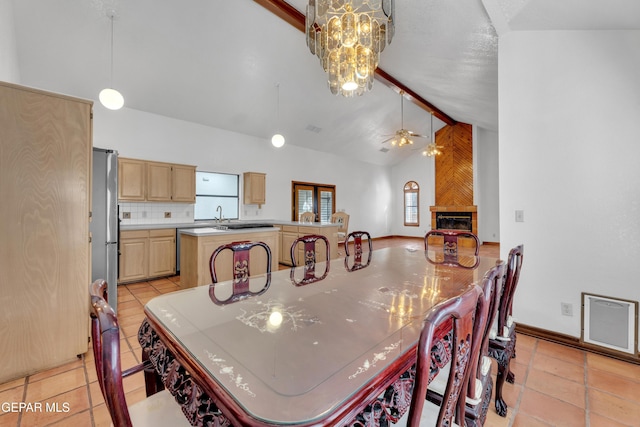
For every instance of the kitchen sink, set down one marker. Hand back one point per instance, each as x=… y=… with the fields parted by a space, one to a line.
x=239 y=226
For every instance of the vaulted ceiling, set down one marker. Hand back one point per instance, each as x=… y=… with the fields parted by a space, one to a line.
x=217 y=63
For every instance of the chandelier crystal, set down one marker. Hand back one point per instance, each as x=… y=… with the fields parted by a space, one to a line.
x=348 y=36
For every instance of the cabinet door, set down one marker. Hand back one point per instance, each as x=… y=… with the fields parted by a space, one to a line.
x=184 y=183
x=45 y=182
x=162 y=254
x=285 y=248
x=134 y=259
x=131 y=180
x=254 y=188
x=159 y=182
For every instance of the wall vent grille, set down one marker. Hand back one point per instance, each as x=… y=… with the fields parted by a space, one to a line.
x=610 y=322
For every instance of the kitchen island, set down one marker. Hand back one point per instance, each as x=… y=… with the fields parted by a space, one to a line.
x=197 y=245
x=291 y=230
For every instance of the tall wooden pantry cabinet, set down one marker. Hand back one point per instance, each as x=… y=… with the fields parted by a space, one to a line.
x=45 y=182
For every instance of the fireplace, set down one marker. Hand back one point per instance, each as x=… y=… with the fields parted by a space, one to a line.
x=454 y=221
x=454 y=218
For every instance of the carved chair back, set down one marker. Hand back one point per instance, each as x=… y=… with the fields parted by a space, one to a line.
x=241 y=272
x=461 y=312
x=309 y=249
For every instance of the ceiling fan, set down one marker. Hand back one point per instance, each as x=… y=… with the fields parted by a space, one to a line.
x=403 y=136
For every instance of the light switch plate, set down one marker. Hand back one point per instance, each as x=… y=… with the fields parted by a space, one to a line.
x=519 y=216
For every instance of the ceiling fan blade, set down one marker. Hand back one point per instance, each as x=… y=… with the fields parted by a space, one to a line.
x=417 y=135
x=388 y=139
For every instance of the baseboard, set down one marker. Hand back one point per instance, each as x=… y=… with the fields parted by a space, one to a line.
x=574 y=342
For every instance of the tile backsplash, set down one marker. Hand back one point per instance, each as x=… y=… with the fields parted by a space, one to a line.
x=155 y=213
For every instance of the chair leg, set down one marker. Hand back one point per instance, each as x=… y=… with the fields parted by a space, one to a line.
x=152 y=381
x=501 y=406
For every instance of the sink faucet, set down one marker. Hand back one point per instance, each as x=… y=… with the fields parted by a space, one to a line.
x=219 y=209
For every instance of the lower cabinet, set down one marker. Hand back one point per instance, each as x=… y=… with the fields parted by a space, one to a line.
x=289 y=233
x=146 y=254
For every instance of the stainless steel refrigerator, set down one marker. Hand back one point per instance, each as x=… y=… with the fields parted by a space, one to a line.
x=104 y=224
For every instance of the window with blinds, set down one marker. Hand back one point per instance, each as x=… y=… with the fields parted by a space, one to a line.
x=411 y=204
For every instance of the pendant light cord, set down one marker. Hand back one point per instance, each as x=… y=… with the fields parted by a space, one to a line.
x=111 y=16
x=278 y=107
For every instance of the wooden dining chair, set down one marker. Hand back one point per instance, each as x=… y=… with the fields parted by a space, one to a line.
x=480 y=381
x=502 y=338
x=158 y=409
x=356 y=237
x=307 y=217
x=460 y=312
x=309 y=254
x=454 y=243
x=241 y=273
x=342 y=219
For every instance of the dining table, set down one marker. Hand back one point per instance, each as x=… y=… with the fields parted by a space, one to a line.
x=330 y=343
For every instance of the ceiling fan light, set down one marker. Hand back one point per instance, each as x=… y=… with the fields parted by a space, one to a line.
x=111 y=99
x=277 y=140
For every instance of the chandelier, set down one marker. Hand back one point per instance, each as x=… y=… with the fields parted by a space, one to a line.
x=348 y=36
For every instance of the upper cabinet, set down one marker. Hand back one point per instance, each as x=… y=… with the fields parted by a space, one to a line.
x=184 y=183
x=141 y=180
x=131 y=180
x=255 y=188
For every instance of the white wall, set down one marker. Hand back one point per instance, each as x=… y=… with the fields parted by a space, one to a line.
x=8 y=53
x=421 y=170
x=486 y=179
x=569 y=150
x=361 y=188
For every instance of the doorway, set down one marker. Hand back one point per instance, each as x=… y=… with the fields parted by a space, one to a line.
x=309 y=197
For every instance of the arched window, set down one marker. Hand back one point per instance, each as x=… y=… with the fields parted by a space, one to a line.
x=411 y=204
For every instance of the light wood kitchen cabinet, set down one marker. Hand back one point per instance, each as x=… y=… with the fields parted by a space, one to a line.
x=132 y=177
x=134 y=255
x=255 y=188
x=162 y=252
x=289 y=233
x=45 y=182
x=146 y=254
x=141 y=180
x=184 y=183
x=159 y=182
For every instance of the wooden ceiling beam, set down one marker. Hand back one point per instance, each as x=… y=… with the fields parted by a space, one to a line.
x=291 y=15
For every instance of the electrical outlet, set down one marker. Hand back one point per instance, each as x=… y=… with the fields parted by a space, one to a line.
x=566 y=309
x=126 y=215
x=519 y=216
x=167 y=214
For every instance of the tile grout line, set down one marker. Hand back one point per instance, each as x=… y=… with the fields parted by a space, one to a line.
x=516 y=407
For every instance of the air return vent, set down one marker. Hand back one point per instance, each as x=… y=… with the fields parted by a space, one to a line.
x=610 y=322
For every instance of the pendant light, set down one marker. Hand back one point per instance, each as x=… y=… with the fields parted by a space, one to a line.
x=277 y=140
x=109 y=97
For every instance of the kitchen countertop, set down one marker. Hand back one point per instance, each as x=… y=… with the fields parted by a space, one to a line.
x=210 y=231
x=201 y=224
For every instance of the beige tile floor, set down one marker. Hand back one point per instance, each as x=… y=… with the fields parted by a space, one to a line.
x=555 y=385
